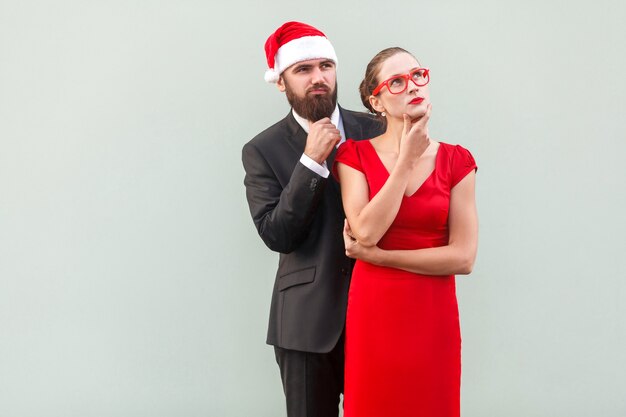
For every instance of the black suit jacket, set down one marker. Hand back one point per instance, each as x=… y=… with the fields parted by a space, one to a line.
x=299 y=214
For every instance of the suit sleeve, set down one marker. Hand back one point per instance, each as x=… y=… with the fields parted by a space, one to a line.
x=282 y=216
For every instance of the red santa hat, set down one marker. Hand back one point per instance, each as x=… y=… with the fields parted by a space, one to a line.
x=295 y=42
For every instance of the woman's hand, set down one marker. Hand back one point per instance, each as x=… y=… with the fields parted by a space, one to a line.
x=414 y=140
x=354 y=249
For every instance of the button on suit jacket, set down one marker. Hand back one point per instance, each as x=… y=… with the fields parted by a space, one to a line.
x=299 y=214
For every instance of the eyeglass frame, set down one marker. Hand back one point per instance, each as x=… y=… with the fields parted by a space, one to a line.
x=406 y=77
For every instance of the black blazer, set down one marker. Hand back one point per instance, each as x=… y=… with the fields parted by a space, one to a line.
x=299 y=214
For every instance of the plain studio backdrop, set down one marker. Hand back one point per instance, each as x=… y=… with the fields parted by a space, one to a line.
x=132 y=280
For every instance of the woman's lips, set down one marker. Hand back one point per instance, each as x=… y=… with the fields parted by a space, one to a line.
x=417 y=100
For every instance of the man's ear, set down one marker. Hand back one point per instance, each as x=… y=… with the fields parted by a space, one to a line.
x=376 y=104
x=280 y=84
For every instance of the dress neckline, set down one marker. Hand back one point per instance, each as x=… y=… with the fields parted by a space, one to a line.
x=428 y=177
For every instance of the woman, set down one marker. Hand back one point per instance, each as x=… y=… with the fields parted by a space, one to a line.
x=411 y=225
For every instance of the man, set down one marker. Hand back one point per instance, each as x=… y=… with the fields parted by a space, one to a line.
x=296 y=208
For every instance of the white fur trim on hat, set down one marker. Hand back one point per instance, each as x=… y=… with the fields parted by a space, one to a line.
x=298 y=50
x=271 y=76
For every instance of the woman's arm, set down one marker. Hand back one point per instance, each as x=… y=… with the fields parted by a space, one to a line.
x=371 y=219
x=457 y=257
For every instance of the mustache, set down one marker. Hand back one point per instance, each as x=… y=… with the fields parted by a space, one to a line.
x=319 y=86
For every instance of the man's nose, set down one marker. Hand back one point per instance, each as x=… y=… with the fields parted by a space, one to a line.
x=317 y=76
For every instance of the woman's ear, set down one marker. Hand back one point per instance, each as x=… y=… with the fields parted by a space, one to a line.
x=376 y=104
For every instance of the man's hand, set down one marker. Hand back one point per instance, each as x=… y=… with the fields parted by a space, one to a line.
x=323 y=137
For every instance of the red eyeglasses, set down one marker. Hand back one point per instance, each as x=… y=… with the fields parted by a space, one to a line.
x=399 y=83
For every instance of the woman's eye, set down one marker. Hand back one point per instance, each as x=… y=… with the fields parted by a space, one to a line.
x=396 y=81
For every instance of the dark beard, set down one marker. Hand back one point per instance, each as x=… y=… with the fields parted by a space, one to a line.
x=312 y=107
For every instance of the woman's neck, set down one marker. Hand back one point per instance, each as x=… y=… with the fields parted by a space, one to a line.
x=393 y=134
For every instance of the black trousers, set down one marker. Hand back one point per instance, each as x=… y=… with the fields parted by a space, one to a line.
x=312 y=381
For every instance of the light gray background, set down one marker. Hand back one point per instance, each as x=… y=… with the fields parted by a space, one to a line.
x=132 y=282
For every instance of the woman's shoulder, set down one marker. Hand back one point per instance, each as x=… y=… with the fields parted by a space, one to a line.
x=451 y=148
x=455 y=151
x=460 y=160
x=356 y=142
x=350 y=153
x=353 y=145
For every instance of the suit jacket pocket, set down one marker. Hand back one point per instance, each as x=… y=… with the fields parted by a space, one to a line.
x=302 y=276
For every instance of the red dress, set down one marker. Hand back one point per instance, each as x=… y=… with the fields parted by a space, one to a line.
x=403 y=342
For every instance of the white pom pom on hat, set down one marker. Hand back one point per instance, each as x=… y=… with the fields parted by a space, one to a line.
x=271 y=76
x=295 y=42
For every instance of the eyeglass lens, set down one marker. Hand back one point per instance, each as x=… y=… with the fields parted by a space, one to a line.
x=399 y=84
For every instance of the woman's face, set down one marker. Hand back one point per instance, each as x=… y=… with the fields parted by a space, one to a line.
x=413 y=101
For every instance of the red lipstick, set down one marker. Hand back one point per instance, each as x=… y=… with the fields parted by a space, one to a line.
x=417 y=100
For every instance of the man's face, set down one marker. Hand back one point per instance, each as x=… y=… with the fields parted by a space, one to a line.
x=311 y=88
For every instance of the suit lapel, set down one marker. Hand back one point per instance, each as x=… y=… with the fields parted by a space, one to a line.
x=331 y=158
x=353 y=130
x=296 y=135
x=350 y=125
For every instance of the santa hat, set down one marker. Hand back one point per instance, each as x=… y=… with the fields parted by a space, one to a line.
x=295 y=42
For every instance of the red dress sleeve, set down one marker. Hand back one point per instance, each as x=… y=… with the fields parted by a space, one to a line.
x=462 y=164
x=348 y=154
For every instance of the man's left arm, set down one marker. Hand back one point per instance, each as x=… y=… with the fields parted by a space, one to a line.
x=282 y=216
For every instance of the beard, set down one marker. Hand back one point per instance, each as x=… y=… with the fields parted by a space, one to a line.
x=313 y=107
